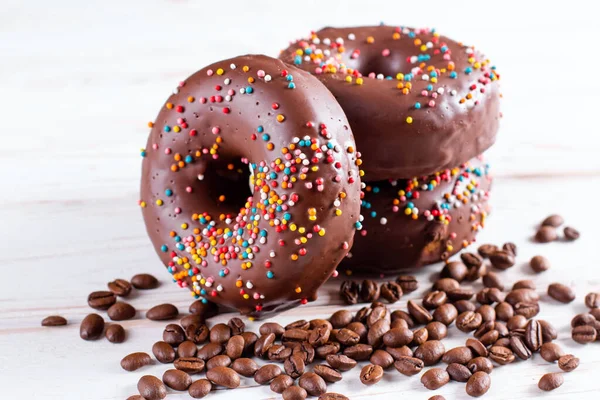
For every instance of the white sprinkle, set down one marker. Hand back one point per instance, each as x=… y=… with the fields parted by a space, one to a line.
x=267 y=78
x=380 y=76
x=272 y=254
x=316 y=41
x=219 y=288
x=200 y=177
x=249 y=285
x=327 y=41
x=228 y=98
x=227 y=81
x=243 y=90
x=351 y=36
x=176 y=90
x=425 y=77
x=453 y=92
x=440 y=90
x=232 y=66
x=339 y=40
x=383 y=221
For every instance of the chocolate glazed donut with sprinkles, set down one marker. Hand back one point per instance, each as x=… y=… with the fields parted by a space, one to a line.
x=417 y=102
x=251 y=121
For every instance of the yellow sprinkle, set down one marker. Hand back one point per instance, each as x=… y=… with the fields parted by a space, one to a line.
x=280 y=118
x=184 y=226
x=220 y=71
x=294 y=257
x=409 y=120
x=359 y=81
x=298 y=290
x=143 y=204
x=396 y=36
x=159 y=202
x=349 y=79
x=245 y=68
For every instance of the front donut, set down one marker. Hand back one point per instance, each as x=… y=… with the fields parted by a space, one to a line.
x=269 y=246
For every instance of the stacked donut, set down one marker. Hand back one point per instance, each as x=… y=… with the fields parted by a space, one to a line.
x=423 y=108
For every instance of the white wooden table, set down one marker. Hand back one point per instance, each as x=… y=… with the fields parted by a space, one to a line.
x=79 y=80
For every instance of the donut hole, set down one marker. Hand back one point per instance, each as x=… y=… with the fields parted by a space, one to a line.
x=378 y=64
x=226 y=182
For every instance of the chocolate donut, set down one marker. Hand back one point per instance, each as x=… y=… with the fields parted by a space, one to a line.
x=270 y=248
x=413 y=222
x=417 y=102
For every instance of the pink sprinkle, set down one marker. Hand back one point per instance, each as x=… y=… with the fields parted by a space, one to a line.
x=335 y=274
x=453 y=235
x=167 y=151
x=345 y=246
x=154 y=146
x=256 y=296
x=209 y=72
x=385 y=52
x=446 y=56
x=363 y=232
x=231 y=92
x=424 y=93
x=216 y=130
x=395 y=209
x=260 y=73
x=189 y=189
x=181 y=84
x=178 y=210
x=372 y=75
x=431 y=103
x=434 y=95
x=203 y=100
x=180 y=120
x=318 y=71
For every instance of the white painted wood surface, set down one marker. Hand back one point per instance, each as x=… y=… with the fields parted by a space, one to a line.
x=79 y=80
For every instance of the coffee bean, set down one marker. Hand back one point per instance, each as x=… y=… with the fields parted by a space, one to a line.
x=120 y=287
x=528 y=310
x=371 y=374
x=279 y=353
x=551 y=352
x=434 y=299
x=135 y=397
x=332 y=396
x=445 y=285
x=250 y=339
x=294 y=393
x=409 y=366
x=474 y=273
x=502 y=259
x=200 y=388
x=480 y=364
x=510 y=247
x=582 y=319
x=522 y=296
x=516 y=322
x=519 y=348
x=539 y=264
x=162 y=312
x=294 y=365
x=446 y=314
x=295 y=335
x=299 y=324
x=546 y=234
x=592 y=300
x=54 y=320
x=420 y=336
x=327 y=373
x=208 y=351
x=584 y=334
x=341 y=362
x=551 y=381
x=561 y=293
x=174 y=335
x=319 y=323
x=391 y=291
x=359 y=352
x=319 y=336
x=190 y=320
x=460 y=294
x=144 y=282
x=468 y=321
x=430 y=352
x=263 y=344
x=398 y=337
x=568 y=362
x=349 y=291
x=187 y=349
x=435 y=378
x=220 y=333
x=492 y=280
x=308 y=352
x=549 y=333
x=478 y=384
x=91 y=327
x=419 y=313
x=236 y=325
x=101 y=300
x=487 y=312
x=163 y=352
x=533 y=335
x=197 y=333
x=464 y=305
x=271 y=327
x=504 y=311
x=382 y=358
x=596 y=313
x=553 y=220
x=458 y=372
x=223 y=376
x=369 y=291
x=205 y=310
x=571 y=234
x=245 y=367
x=408 y=283
x=489 y=338
x=115 y=333
x=458 y=355
x=235 y=347
x=403 y=315
x=455 y=270
x=280 y=383
x=176 y=379
x=436 y=330
x=151 y=388
x=190 y=365
x=471 y=260
x=135 y=361
x=267 y=373
x=312 y=383
x=221 y=360
x=501 y=355
x=340 y=319
x=379 y=312
x=347 y=337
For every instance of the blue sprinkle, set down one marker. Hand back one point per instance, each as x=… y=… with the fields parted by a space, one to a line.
x=190 y=272
x=430 y=87
x=270 y=274
x=266 y=137
x=188 y=159
x=221 y=273
x=287 y=216
x=417 y=105
x=143 y=153
x=177 y=238
x=167 y=128
x=249 y=90
x=180 y=246
x=263 y=233
x=376 y=189
x=292 y=85
x=468 y=70
x=297 y=60
x=164 y=248
x=373 y=214
x=289 y=78
x=308 y=50
x=453 y=74
x=260 y=129
x=410 y=205
x=358 y=225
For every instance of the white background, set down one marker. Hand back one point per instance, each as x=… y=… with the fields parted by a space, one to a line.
x=80 y=79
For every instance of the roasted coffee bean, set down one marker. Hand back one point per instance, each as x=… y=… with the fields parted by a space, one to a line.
x=294 y=393
x=584 y=334
x=279 y=353
x=484 y=328
x=408 y=283
x=235 y=347
x=378 y=313
x=436 y=330
x=220 y=333
x=528 y=310
x=480 y=364
x=295 y=335
x=539 y=264
x=312 y=383
x=151 y=388
x=349 y=291
x=208 y=351
x=596 y=313
x=173 y=334
x=474 y=273
x=458 y=372
x=134 y=361
x=485 y=250
x=371 y=374
x=434 y=299
x=398 y=352
x=190 y=320
x=458 y=355
x=187 y=349
x=224 y=376
x=341 y=362
x=551 y=352
x=369 y=291
x=551 y=381
x=299 y=324
x=501 y=355
x=54 y=320
x=236 y=325
x=492 y=280
x=176 y=379
x=419 y=313
x=328 y=348
x=568 y=362
x=135 y=397
x=502 y=259
x=435 y=378
x=218 y=361
x=200 y=388
x=359 y=328
x=245 y=366
x=455 y=270
x=516 y=322
x=144 y=282
x=162 y=312
x=471 y=260
x=522 y=296
x=190 y=365
x=430 y=352
x=489 y=338
x=164 y=352
x=524 y=284
x=376 y=332
x=478 y=384
x=294 y=365
x=308 y=352
x=464 y=305
x=468 y=321
x=477 y=348
x=381 y=358
x=340 y=319
x=91 y=327
x=571 y=234
x=446 y=314
x=197 y=333
x=504 y=311
x=546 y=234
x=582 y=319
x=460 y=294
x=549 y=333
x=503 y=342
x=420 y=336
x=397 y=337
x=409 y=366
x=391 y=291
x=262 y=345
x=120 y=287
x=519 y=348
x=487 y=312
x=319 y=323
x=533 y=335
x=267 y=373
x=560 y=292
x=489 y=296
x=553 y=220
x=359 y=352
x=445 y=285
x=327 y=373
x=501 y=328
x=101 y=300
x=280 y=383
x=403 y=315
x=271 y=327
x=205 y=310
x=592 y=300
x=115 y=333
x=332 y=396
x=347 y=337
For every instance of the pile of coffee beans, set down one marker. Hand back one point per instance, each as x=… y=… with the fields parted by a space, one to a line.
x=547 y=231
x=368 y=291
x=586 y=326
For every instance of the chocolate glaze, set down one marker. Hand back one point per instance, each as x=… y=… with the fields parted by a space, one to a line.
x=399 y=241
x=251 y=109
x=452 y=131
